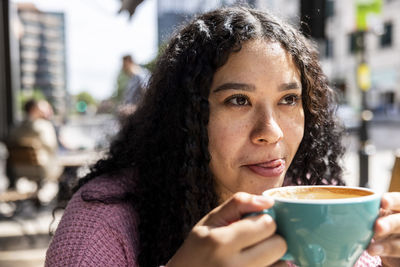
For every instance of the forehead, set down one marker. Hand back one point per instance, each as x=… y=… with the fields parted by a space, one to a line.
x=259 y=58
x=263 y=47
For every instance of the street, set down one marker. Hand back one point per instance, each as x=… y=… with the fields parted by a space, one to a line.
x=384 y=136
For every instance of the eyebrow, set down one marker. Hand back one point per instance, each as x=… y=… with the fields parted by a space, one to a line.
x=235 y=86
x=289 y=86
x=252 y=88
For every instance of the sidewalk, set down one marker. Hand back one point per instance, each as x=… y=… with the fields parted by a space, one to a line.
x=393 y=118
x=24 y=239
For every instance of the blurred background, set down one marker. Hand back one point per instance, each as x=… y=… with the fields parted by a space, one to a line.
x=80 y=56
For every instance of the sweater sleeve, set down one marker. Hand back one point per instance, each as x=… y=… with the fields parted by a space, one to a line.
x=94 y=233
x=104 y=248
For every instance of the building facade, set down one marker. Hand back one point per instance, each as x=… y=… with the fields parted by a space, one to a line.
x=172 y=13
x=337 y=52
x=43 y=54
x=382 y=45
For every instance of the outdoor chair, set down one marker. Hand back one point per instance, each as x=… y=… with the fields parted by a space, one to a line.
x=24 y=160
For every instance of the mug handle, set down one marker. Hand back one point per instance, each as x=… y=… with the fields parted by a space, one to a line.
x=270 y=212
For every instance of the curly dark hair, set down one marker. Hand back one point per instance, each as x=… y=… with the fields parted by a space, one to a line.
x=164 y=143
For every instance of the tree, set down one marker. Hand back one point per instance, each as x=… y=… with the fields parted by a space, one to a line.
x=86 y=97
x=84 y=100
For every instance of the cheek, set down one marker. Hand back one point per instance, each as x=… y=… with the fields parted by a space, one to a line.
x=294 y=130
x=226 y=136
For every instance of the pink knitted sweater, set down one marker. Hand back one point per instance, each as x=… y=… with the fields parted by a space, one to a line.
x=97 y=234
x=94 y=233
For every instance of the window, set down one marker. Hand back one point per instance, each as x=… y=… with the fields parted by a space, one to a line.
x=386 y=38
x=352 y=43
x=329 y=48
x=356 y=42
x=330 y=8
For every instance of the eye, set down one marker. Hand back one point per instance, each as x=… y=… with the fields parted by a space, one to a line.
x=290 y=100
x=238 y=100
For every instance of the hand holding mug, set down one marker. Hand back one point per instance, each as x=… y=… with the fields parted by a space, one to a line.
x=387 y=231
x=222 y=238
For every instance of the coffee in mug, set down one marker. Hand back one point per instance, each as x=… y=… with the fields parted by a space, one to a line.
x=319 y=193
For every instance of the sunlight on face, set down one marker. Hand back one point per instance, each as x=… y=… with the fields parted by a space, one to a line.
x=256 y=119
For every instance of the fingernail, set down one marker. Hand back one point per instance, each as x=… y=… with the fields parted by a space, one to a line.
x=377 y=249
x=388 y=202
x=385 y=227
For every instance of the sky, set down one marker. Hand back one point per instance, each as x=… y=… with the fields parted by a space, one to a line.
x=97 y=37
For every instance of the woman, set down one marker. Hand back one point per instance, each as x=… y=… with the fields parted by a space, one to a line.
x=236 y=104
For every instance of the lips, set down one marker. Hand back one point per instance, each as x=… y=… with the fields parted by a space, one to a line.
x=271 y=168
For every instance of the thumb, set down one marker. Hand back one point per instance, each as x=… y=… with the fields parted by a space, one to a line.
x=234 y=208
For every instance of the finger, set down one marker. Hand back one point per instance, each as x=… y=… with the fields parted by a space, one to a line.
x=235 y=207
x=264 y=253
x=390 y=261
x=387 y=225
x=386 y=247
x=384 y=212
x=280 y=264
x=246 y=232
x=391 y=201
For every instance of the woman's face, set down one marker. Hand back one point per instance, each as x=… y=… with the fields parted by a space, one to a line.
x=256 y=119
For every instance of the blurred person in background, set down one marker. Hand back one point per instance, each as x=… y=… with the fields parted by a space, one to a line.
x=33 y=144
x=131 y=85
x=237 y=104
x=124 y=76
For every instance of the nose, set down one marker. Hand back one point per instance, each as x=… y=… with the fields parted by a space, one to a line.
x=266 y=130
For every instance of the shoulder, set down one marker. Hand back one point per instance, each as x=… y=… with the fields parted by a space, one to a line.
x=96 y=233
x=142 y=75
x=145 y=74
x=42 y=124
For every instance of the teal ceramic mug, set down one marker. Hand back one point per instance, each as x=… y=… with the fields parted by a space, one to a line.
x=327 y=226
